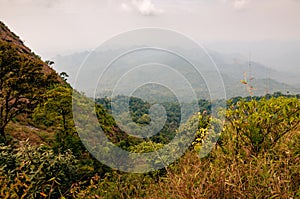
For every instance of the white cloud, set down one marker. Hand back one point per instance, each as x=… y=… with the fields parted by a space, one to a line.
x=144 y=7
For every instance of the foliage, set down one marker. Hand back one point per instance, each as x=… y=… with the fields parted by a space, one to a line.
x=139 y=114
x=257 y=126
x=257 y=156
x=207 y=134
x=64 y=76
x=56 y=110
x=115 y=185
x=35 y=172
x=224 y=174
x=145 y=147
x=21 y=83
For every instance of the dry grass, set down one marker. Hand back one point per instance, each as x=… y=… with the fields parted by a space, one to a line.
x=274 y=174
x=21 y=132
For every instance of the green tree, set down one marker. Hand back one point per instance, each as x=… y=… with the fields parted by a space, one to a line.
x=22 y=81
x=56 y=109
x=64 y=76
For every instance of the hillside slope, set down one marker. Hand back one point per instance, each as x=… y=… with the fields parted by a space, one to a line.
x=8 y=36
x=20 y=128
x=23 y=127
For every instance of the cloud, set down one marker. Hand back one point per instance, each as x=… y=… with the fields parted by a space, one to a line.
x=238 y=4
x=144 y=7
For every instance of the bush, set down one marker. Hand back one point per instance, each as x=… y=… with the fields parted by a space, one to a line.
x=35 y=172
x=257 y=126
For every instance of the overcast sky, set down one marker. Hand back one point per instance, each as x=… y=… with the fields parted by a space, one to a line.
x=51 y=27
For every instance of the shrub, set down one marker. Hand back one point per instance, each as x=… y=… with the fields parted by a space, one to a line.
x=35 y=172
x=257 y=126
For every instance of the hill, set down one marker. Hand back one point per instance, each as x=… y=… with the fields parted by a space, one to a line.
x=232 y=67
x=36 y=84
x=24 y=79
x=8 y=36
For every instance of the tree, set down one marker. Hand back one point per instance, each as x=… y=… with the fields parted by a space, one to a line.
x=22 y=81
x=57 y=108
x=49 y=62
x=64 y=76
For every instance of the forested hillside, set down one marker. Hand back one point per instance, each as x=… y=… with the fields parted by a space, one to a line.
x=253 y=153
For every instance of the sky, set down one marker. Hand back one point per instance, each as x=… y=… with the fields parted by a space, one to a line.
x=52 y=27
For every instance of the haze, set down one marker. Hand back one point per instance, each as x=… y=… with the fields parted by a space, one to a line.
x=268 y=29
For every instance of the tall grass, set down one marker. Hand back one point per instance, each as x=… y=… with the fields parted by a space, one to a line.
x=273 y=174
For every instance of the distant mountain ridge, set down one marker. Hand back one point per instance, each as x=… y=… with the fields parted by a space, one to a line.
x=233 y=69
x=237 y=64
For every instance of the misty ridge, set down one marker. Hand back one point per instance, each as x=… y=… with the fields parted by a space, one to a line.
x=233 y=67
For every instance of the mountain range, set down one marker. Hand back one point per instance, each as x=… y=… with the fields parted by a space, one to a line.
x=239 y=74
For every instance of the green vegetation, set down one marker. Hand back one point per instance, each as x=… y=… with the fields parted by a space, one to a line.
x=35 y=172
x=21 y=82
x=257 y=155
x=234 y=169
x=259 y=125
